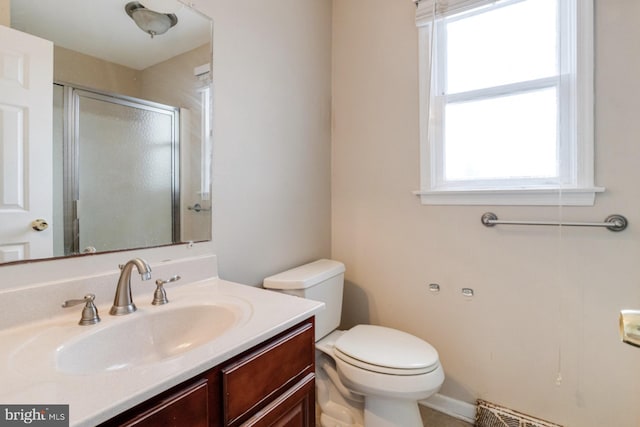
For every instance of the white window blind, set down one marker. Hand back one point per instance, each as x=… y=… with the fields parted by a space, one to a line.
x=426 y=8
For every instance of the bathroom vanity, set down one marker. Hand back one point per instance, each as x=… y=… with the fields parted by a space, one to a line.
x=218 y=354
x=270 y=384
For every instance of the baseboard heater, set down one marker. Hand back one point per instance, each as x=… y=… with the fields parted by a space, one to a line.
x=491 y=415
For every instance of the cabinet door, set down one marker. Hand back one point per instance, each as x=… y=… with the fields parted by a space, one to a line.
x=294 y=408
x=262 y=376
x=187 y=407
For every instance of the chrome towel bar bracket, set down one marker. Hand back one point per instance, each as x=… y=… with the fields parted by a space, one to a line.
x=612 y=222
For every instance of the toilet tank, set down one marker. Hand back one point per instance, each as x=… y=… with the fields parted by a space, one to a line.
x=321 y=280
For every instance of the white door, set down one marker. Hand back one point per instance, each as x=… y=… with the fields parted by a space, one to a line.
x=26 y=87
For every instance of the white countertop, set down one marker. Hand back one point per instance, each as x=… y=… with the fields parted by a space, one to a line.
x=28 y=376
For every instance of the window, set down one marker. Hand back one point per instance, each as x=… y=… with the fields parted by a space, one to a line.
x=506 y=94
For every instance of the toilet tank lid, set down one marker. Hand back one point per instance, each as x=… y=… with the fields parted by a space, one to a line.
x=305 y=276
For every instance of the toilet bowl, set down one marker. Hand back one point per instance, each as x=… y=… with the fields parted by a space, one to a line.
x=367 y=376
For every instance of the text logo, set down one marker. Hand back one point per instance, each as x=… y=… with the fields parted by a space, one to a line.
x=34 y=415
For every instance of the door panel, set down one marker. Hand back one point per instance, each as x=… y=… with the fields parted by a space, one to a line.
x=13 y=149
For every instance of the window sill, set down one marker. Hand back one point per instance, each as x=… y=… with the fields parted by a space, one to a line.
x=514 y=197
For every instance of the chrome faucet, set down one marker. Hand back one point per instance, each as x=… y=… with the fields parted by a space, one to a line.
x=123 y=303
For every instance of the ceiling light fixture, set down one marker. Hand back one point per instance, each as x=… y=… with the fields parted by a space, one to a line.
x=149 y=21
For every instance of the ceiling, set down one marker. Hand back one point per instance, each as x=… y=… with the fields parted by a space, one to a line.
x=103 y=29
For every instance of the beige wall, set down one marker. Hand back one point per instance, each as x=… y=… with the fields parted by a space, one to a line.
x=547 y=300
x=5 y=12
x=172 y=81
x=272 y=89
x=88 y=71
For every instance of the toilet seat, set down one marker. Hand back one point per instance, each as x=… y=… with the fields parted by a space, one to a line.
x=386 y=351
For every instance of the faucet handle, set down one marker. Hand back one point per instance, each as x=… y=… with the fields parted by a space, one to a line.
x=160 y=295
x=89 y=312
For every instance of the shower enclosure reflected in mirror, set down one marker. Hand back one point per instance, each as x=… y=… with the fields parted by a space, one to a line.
x=124 y=147
x=131 y=133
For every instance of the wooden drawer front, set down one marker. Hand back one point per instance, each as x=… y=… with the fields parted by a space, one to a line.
x=295 y=408
x=256 y=379
x=185 y=408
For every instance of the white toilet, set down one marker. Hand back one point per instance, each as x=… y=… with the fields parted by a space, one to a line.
x=368 y=376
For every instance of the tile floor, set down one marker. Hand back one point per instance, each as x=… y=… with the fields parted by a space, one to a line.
x=431 y=418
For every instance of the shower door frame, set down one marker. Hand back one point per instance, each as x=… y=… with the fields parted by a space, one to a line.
x=71 y=158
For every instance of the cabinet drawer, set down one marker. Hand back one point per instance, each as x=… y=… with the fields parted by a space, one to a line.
x=256 y=379
x=187 y=407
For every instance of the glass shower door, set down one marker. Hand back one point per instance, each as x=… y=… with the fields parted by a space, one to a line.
x=125 y=173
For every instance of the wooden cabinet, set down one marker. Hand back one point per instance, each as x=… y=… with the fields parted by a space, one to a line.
x=272 y=384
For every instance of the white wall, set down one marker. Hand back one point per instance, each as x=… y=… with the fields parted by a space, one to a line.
x=547 y=300
x=272 y=82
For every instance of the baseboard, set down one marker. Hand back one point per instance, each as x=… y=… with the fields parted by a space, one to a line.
x=455 y=408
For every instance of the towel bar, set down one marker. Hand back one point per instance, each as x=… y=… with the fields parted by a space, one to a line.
x=612 y=222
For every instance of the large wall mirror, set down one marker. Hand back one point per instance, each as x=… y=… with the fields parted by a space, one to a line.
x=131 y=125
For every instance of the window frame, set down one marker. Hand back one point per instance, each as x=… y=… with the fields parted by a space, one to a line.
x=575 y=89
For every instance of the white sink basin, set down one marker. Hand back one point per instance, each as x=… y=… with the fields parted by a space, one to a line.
x=144 y=338
x=151 y=335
